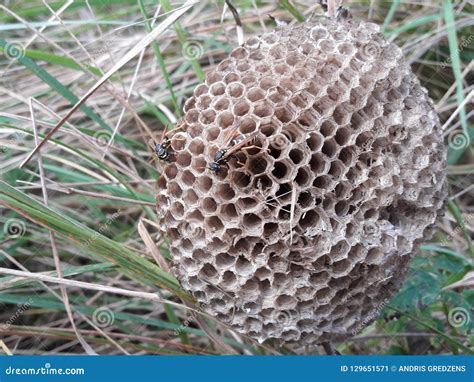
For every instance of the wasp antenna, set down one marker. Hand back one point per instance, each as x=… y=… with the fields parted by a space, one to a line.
x=179 y=138
x=164 y=132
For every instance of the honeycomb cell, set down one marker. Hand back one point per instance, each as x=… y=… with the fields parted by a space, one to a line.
x=255 y=94
x=224 y=192
x=225 y=119
x=248 y=80
x=330 y=148
x=337 y=169
x=171 y=172
x=184 y=160
x=203 y=102
x=190 y=198
x=309 y=119
x=243 y=267
x=217 y=89
x=251 y=222
x=208 y=205
x=282 y=170
x=235 y=89
x=304 y=177
x=277 y=95
x=263 y=109
x=209 y=273
x=212 y=133
x=241 y=108
x=246 y=204
x=242 y=180
x=285 y=113
x=247 y=125
x=204 y=184
x=220 y=104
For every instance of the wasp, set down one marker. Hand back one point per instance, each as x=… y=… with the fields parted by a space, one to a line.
x=162 y=149
x=231 y=145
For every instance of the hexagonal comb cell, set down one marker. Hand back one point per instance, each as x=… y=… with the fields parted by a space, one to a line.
x=307 y=220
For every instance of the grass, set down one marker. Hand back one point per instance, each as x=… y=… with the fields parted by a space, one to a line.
x=99 y=219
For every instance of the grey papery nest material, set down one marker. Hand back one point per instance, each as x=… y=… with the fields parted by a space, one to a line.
x=308 y=230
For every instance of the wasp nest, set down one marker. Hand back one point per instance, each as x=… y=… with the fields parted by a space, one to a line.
x=307 y=231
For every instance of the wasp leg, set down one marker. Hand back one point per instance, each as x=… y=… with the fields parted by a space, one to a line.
x=254 y=147
x=234 y=12
x=278 y=22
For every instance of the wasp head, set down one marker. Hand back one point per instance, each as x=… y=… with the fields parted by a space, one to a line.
x=215 y=167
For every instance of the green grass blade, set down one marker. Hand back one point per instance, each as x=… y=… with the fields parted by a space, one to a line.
x=456 y=65
x=183 y=40
x=97 y=164
x=104 y=248
x=435 y=330
x=454 y=209
x=390 y=15
x=53 y=304
x=445 y=251
x=57 y=60
x=28 y=12
x=161 y=62
x=294 y=12
x=413 y=24
x=57 y=86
